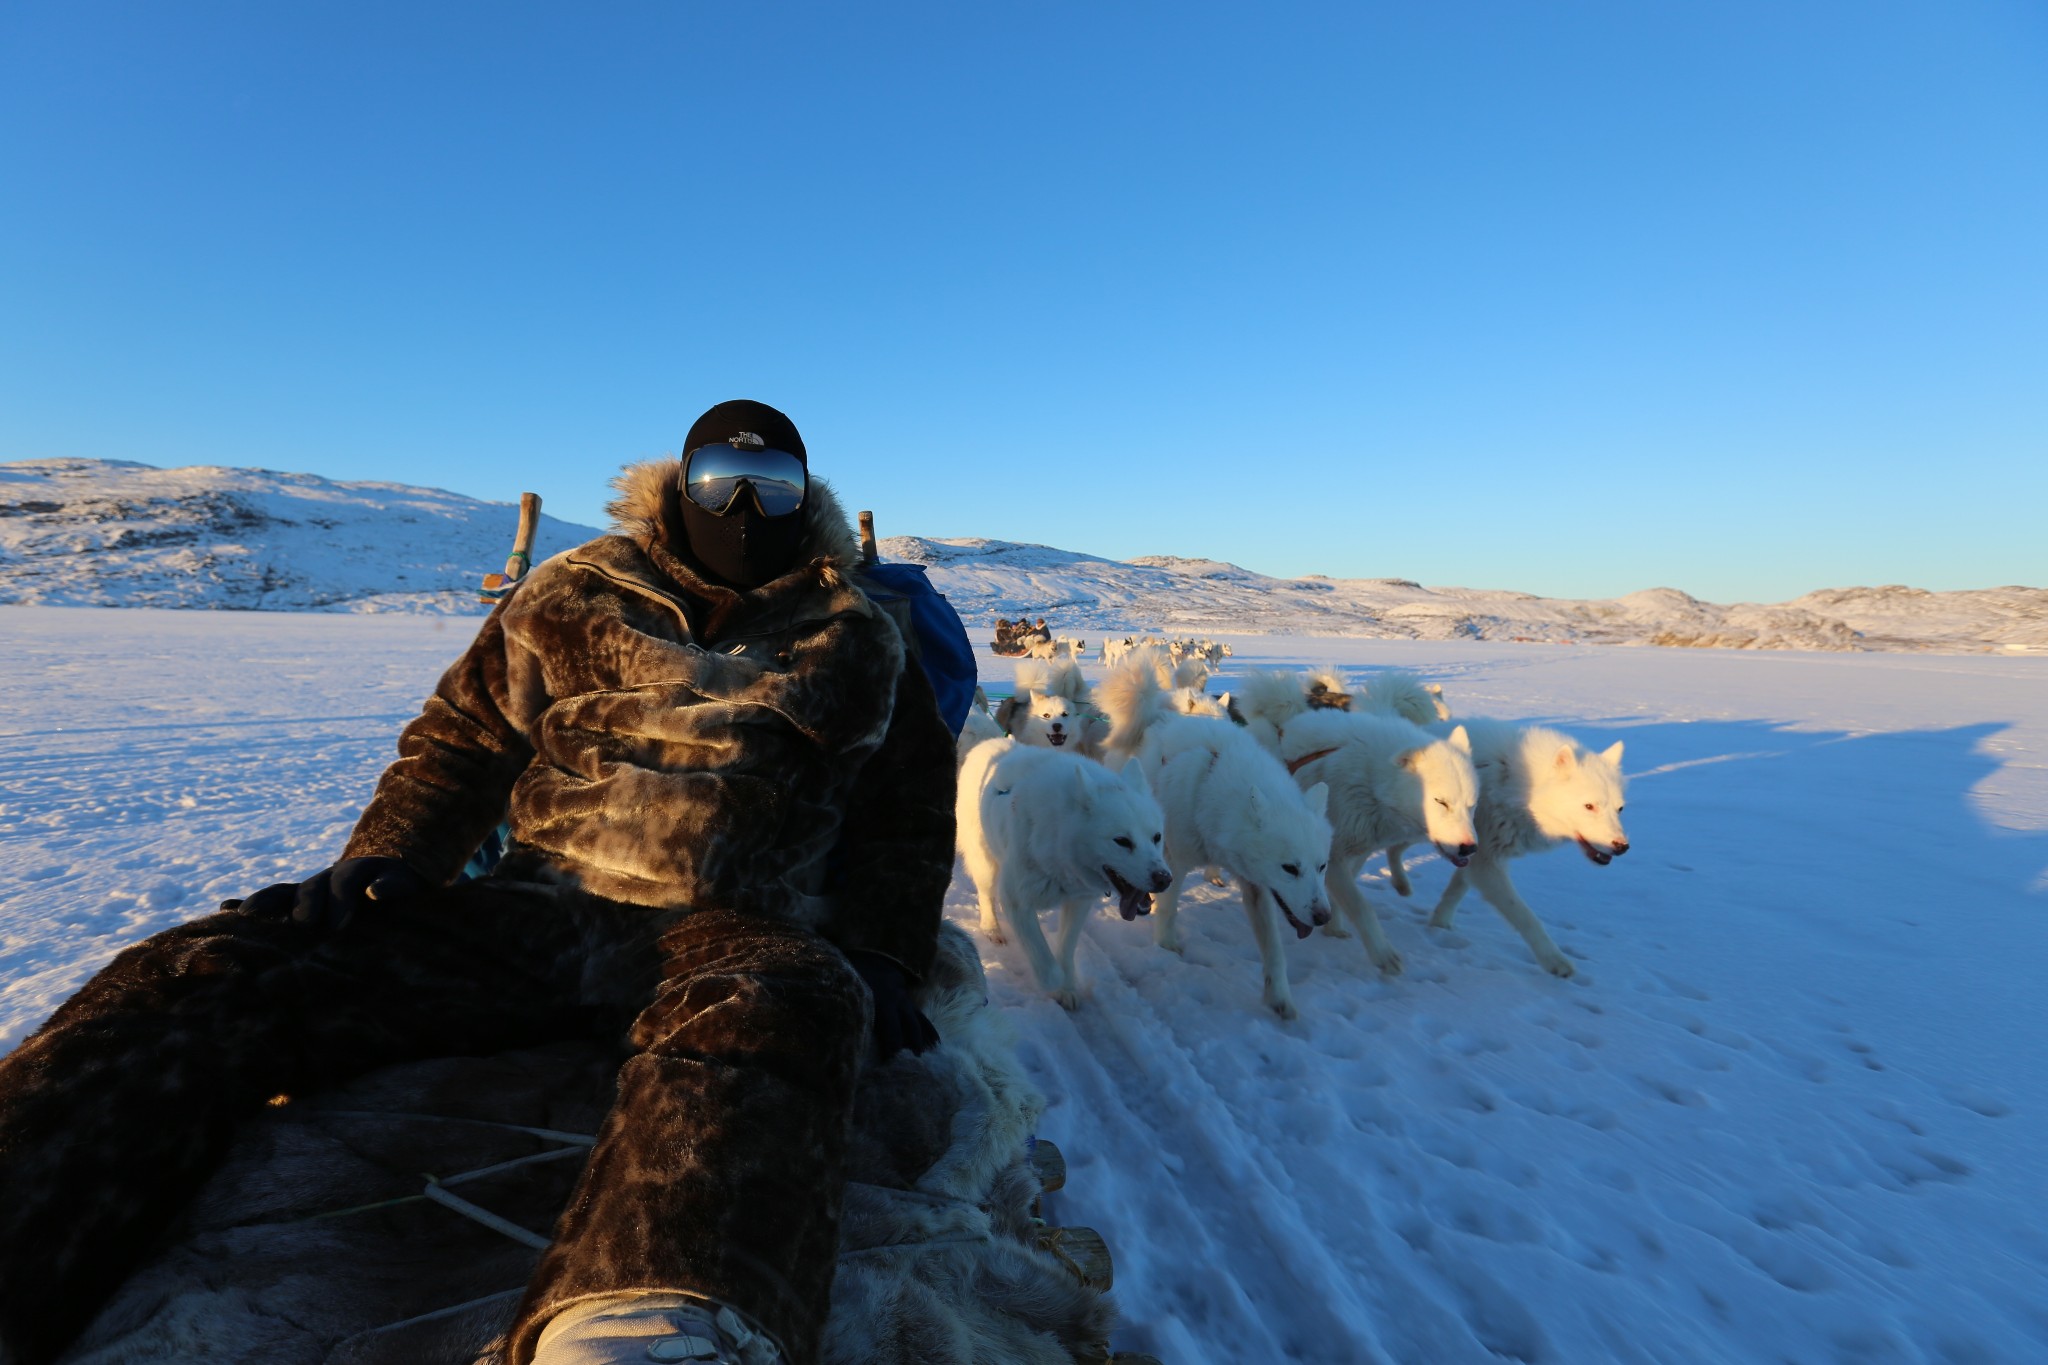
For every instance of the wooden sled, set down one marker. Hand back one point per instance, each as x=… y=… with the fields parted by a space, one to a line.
x=1017 y=644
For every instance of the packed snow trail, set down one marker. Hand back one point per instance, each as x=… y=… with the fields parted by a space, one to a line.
x=1790 y=1109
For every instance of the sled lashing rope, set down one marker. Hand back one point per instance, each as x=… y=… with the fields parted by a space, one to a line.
x=436 y=1189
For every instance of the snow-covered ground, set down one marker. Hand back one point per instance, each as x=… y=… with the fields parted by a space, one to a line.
x=1792 y=1108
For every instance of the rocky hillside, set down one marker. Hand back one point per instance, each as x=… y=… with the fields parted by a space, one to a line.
x=1084 y=595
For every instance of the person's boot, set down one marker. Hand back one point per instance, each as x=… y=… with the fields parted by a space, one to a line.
x=633 y=1329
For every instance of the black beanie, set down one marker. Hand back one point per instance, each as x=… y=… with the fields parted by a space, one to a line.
x=730 y=418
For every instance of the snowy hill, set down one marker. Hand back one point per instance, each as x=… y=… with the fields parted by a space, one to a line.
x=1080 y=594
x=113 y=533
x=117 y=533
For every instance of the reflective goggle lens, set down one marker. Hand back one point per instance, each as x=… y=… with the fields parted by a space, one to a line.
x=717 y=472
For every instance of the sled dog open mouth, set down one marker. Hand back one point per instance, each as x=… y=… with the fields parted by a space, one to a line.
x=1055 y=737
x=1300 y=930
x=1457 y=859
x=1597 y=855
x=1130 y=901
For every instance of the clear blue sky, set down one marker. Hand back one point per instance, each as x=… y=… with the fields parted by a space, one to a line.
x=1577 y=298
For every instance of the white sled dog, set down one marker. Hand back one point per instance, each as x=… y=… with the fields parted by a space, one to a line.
x=1229 y=804
x=978 y=726
x=1039 y=828
x=1192 y=701
x=1391 y=692
x=1538 y=788
x=1390 y=783
x=1066 y=647
x=1175 y=674
x=1396 y=692
x=1052 y=709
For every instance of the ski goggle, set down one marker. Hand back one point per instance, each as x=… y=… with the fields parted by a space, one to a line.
x=713 y=476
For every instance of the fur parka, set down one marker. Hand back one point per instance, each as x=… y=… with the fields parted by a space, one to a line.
x=663 y=740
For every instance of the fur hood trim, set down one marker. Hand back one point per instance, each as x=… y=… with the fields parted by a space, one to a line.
x=640 y=511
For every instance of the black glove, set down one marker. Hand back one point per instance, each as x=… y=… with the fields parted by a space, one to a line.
x=899 y=1023
x=326 y=899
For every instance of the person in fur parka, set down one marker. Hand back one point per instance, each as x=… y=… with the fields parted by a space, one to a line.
x=731 y=808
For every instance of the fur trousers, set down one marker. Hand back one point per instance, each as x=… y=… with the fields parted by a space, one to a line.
x=719 y=1169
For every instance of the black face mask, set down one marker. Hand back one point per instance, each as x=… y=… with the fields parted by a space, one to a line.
x=744 y=546
x=736 y=539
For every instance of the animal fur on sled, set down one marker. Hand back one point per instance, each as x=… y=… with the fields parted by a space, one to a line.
x=280 y=1262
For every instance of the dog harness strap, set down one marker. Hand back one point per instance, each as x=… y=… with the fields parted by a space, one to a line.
x=1295 y=765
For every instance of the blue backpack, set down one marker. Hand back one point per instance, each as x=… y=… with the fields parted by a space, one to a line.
x=932 y=630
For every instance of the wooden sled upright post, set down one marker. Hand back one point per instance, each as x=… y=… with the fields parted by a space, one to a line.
x=521 y=559
x=869 y=552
